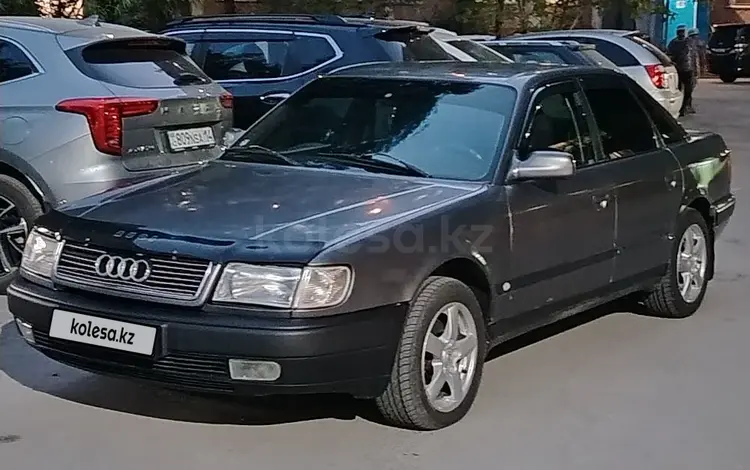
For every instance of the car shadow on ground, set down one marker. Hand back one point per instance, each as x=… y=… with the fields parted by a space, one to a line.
x=33 y=370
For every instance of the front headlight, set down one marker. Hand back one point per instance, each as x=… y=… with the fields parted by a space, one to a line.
x=39 y=254
x=274 y=286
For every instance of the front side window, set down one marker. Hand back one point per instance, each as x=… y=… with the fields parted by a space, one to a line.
x=556 y=125
x=445 y=129
x=13 y=63
x=624 y=127
x=240 y=60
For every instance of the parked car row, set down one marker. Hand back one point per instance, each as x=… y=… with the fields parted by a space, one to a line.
x=375 y=232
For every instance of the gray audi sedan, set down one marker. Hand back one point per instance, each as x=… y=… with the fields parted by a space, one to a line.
x=379 y=231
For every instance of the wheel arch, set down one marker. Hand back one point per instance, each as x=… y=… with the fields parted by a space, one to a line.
x=14 y=166
x=703 y=206
x=471 y=273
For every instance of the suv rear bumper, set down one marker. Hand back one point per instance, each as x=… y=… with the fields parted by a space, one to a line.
x=349 y=354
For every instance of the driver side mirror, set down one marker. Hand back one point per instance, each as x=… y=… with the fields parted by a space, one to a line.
x=543 y=164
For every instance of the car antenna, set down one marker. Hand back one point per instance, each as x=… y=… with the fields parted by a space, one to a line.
x=92 y=20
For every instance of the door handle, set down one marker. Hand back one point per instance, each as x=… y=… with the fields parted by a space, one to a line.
x=601 y=201
x=274 y=98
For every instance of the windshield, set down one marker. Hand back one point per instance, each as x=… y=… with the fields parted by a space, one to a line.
x=445 y=129
x=478 y=51
x=726 y=36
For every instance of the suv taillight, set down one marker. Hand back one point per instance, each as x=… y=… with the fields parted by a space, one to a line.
x=105 y=117
x=227 y=100
x=656 y=73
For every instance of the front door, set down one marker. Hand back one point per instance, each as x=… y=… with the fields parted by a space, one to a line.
x=648 y=186
x=562 y=236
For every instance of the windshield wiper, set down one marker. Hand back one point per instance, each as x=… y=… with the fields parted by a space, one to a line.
x=374 y=159
x=278 y=157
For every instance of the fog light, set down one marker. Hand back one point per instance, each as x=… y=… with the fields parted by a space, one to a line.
x=26 y=330
x=258 y=371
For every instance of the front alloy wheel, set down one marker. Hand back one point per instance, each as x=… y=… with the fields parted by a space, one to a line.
x=438 y=365
x=449 y=357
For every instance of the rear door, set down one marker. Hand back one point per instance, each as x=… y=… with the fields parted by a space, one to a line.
x=263 y=67
x=177 y=115
x=645 y=173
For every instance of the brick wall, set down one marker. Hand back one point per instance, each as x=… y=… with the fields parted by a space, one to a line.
x=730 y=11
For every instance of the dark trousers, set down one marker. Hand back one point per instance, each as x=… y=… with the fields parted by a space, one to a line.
x=687 y=81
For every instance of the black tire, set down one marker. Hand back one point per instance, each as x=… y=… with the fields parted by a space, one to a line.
x=665 y=300
x=29 y=208
x=727 y=78
x=404 y=403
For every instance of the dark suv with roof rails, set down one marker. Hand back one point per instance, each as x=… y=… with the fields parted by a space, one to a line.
x=261 y=59
x=729 y=51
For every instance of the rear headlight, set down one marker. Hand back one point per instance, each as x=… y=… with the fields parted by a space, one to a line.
x=656 y=73
x=105 y=116
x=227 y=100
x=740 y=46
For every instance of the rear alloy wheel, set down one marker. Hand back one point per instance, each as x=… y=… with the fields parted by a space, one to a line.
x=438 y=366
x=728 y=78
x=680 y=292
x=18 y=211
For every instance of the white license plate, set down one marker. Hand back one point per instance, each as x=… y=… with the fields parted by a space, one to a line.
x=102 y=332
x=191 y=138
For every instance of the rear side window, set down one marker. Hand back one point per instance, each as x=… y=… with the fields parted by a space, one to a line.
x=624 y=127
x=13 y=63
x=594 y=56
x=663 y=58
x=614 y=52
x=137 y=64
x=243 y=60
x=669 y=129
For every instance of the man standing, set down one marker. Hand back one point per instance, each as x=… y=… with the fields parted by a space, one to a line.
x=699 y=56
x=682 y=52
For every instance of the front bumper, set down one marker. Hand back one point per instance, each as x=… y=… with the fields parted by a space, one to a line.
x=349 y=354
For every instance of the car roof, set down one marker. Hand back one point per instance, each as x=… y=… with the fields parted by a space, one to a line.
x=314 y=21
x=550 y=42
x=584 y=32
x=65 y=26
x=516 y=75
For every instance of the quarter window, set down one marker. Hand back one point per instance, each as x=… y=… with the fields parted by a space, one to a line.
x=267 y=58
x=14 y=64
x=624 y=127
x=614 y=52
x=557 y=126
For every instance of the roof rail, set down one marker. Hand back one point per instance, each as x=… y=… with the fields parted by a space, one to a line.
x=263 y=17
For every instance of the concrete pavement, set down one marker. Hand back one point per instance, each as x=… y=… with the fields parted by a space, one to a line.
x=615 y=391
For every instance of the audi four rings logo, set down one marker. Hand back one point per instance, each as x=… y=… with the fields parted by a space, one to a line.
x=127 y=269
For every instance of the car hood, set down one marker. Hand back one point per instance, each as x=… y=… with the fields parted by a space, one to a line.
x=226 y=204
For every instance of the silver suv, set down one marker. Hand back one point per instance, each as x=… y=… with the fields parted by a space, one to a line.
x=88 y=106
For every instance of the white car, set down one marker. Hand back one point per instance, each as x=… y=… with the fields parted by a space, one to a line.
x=642 y=61
x=467 y=45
